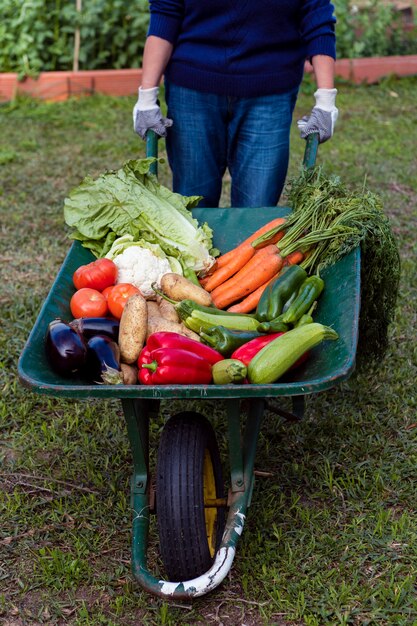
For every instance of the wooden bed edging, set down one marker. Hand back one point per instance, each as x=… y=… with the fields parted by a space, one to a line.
x=56 y=86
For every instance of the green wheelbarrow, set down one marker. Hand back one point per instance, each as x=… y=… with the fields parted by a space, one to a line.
x=198 y=523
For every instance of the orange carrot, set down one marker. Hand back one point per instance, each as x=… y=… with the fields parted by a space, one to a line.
x=294 y=258
x=247 y=268
x=262 y=267
x=249 y=304
x=274 y=239
x=227 y=256
x=222 y=274
x=203 y=281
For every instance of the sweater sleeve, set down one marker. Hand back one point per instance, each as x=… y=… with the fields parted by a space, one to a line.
x=318 y=27
x=166 y=19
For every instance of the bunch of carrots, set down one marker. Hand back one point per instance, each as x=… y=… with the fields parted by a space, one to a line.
x=311 y=236
x=239 y=277
x=325 y=223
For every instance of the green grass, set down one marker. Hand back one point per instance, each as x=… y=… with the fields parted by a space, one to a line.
x=331 y=537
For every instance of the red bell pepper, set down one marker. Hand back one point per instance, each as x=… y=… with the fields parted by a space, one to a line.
x=246 y=352
x=164 y=339
x=173 y=366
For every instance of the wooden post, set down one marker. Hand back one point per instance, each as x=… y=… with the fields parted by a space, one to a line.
x=75 y=63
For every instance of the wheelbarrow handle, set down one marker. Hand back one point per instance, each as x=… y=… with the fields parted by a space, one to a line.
x=152 y=150
x=310 y=152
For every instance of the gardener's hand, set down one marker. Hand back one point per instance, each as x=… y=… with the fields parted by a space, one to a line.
x=323 y=116
x=147 y=114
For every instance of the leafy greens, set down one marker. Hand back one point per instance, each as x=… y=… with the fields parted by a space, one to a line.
x=130 y=201
x=320 y=201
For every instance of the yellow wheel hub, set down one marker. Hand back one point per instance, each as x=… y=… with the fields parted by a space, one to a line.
x=210 y=511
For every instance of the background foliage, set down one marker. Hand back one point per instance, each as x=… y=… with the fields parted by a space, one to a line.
x=38 y=35
x=376 y=29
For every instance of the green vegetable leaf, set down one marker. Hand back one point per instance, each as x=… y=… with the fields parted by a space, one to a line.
x=130 y=201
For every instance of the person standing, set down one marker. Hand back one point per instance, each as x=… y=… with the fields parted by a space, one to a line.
x=232 y=71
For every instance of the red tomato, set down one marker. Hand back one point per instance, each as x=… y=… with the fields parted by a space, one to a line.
x=106 y=291
x=88 y=303
x=118 y=297
x=96 y=275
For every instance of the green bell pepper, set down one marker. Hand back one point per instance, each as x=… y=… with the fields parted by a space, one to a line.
x=226 y=340
x=278 y=292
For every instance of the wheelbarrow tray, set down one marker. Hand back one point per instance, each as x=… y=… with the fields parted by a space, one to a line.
x=329 y=363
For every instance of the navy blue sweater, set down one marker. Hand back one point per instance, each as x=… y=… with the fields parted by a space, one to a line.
x=242 y=47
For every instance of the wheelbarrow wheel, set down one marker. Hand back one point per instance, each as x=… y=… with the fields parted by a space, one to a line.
x=190 y=501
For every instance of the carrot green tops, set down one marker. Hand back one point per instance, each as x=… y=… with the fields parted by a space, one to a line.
x=242 y=47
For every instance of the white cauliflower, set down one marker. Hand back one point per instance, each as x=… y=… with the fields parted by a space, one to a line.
x=140 y=267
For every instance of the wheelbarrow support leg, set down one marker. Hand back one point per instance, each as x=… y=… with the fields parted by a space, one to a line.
x=242 y=455
x=137 y=413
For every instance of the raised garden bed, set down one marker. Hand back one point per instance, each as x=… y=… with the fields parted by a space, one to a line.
x=372 y=69
x=57 y=86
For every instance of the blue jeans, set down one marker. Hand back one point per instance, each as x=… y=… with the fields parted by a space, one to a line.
x=248 y=136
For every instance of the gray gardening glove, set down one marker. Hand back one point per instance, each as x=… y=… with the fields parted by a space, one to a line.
x=322 y=118
x=147 y=114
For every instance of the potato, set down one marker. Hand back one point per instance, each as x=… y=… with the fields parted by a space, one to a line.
x=187 y=332
x=132 y=329
x=153 y=309
x=158 y=324
x=179 y=288
x=129 y=374
x=168 y=311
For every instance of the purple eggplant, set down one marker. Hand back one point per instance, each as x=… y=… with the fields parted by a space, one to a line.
x=103 y=361
x=65 y=349
x=91 y=326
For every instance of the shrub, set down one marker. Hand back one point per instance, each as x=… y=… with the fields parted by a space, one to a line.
x=374 y=30
x=39 y=35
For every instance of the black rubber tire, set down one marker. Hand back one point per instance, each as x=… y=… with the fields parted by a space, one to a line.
x=180 y=509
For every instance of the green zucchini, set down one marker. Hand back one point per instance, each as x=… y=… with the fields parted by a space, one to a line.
x=278 y=356
x=186 y=307
x=200 y=321
x=228 y=371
